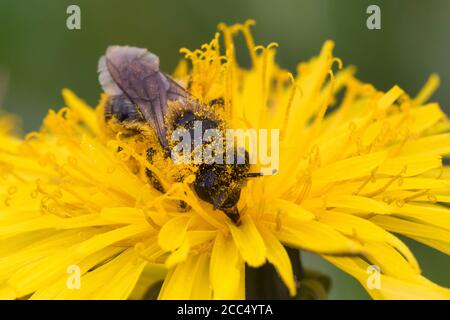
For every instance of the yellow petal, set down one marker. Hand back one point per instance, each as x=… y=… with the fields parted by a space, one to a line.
x=173 y=233
x=125 y=215
x=179 y=255
x=389 y=97
x=278 y=210
x=249 y=242
x=7 y=292
x=428 y=89
x=57 y=287
x=436 y=215
x=121 y=284
x=225 y=270
x=362 y=229
x=349 y=168
x=201 y=289
x=103 y=240
x=112 y=280
x=192 y=239
x=426 y=117
x=390 y=288
x=185 y=277
x=410 y=165
x=360 y=203
x=151 y=274
x=428 y=146
x=40 y=250
x=277 y=255
x=390 y=261
x=318 y=237
x=431 y=235
x=86 y=113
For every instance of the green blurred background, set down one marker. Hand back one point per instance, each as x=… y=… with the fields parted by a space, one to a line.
x=42 y=56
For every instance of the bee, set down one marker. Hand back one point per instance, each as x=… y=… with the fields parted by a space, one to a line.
x=140 y=93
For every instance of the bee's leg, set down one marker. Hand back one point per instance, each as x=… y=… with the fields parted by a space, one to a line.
x=216 y=102
x=182 y=205
x=132 y=128
x=233 y=214
x=153 y=180
x=121 y=108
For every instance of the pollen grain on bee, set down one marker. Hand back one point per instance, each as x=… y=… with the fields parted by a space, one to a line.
x=230 y=146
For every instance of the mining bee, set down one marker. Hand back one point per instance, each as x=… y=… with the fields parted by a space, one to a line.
x=139 y=93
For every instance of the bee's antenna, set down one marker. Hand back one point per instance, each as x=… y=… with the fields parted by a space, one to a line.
x=259 y=174
x=253 y=175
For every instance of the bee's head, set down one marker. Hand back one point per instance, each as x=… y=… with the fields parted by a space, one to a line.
x=220 y=185
x=215 y=185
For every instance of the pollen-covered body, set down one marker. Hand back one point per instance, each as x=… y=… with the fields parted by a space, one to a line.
x=143 y=100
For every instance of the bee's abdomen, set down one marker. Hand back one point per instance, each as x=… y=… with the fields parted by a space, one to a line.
x=121 y=108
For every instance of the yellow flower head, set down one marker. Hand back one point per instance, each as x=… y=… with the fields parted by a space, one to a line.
x=77 y=201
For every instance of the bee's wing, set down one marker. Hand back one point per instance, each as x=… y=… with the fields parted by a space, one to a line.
x=176 y=91
x=135 y=73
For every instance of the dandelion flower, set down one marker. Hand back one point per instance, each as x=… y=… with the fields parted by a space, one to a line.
x=353 y=172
